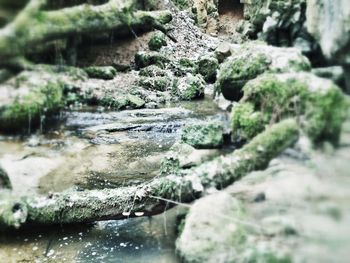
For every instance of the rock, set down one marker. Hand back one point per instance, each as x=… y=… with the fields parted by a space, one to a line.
x=156 y=83
x=157 y=41
x=183 y=155
x=203 y=135
x=144 y=59
x=223 y=51
x=277 y=22
x=183 y=66
x=246 y=122
x=279 y=225
x=28 y=98
x=318 y=103
x=206 y=15
x=152 y=71
x=250 y=60
x=328 y=22
x=212 y=232
x=107 y=72
x=335 y=73
x=189 y=87
x=182 y=4
x=207 y=67
x=4 y=179
x=135 y=102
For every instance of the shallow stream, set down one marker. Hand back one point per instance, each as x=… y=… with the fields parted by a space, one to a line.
x=92 y=148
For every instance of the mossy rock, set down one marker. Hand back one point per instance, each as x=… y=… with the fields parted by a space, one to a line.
x=155 y=83
x=152 y=71
x=203 y=135
x=246 y=122
x=106 y=73
x=189 y=87
x=183 y=66
x=207 y=67
x=4 y=179
x=144 y=59
x=32 y=96
x=319 y=105
x=122 y=101
x=135 y=102
x=212 y=232
x=236 y=72
x=157 y=41
x=252 y=59
x=182 y=4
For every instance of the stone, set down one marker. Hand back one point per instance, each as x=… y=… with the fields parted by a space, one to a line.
x=144 y=59
x=156 y=83
x=250 y=60
x=328 y=21
x=318 y=103
x=4 y=179
x=207 y=67
x=334 y=73
x=106 y=72
x=157 y=41
x=189 y=87
x=28 y=98
x=211 y=232
x=203 y=135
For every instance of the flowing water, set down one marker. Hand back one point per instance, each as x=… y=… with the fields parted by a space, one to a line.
x=91 y=148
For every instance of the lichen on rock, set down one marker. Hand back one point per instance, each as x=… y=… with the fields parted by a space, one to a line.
x=207 y=67
x=28 y=98
x=203 y=135
x=319 y=105
x=189 y=87
x=250 y=60
x=157 y=41
x=106 y=72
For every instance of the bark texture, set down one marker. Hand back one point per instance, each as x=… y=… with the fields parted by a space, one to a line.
x=150 y=198
x=33 y=26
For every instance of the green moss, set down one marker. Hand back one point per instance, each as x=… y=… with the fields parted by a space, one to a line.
x=155 y=83
x=203 y=135
x=181 y=4
x=101 y=72
x=152 y=71
x=321 y=111
x=27 y=110
x=183 y=66
x=189 y=87
x=255 y=254
x=207 y=67
x=157 y=41
x=246 y=122
x=135 y=102
x=144 y=59
x=235 y=73
x=170 y=165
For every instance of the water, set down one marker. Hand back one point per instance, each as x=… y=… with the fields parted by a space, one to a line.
x=95 y=149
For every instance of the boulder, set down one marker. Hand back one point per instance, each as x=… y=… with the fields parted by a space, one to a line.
x=328 y=21
x=157 y=41
x=26 y=99
x=319 y=105
x=190 y=87
x=212 y=232
x=250 y=60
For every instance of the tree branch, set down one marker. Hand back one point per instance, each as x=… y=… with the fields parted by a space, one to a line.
x=87 y=206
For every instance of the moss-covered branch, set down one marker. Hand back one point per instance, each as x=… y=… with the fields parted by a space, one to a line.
x=33 y=26
x=148 y=199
